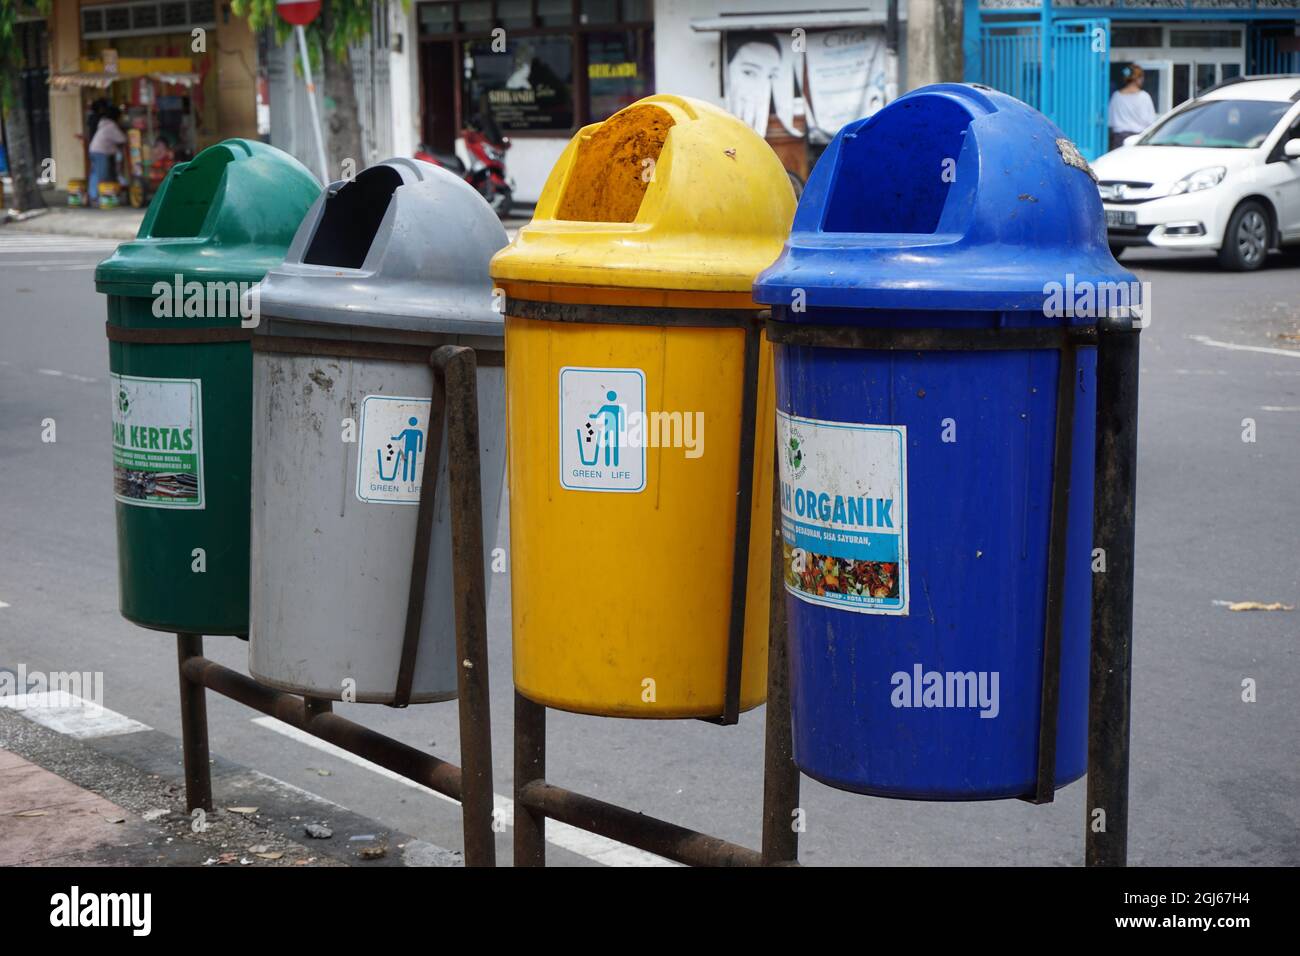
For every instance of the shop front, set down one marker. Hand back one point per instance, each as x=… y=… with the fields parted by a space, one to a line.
x=532 y=71
x=1066 y=57
x=182 y=74
x=795 y=78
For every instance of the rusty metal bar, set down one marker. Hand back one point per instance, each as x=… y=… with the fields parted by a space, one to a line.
x=925 y=340
x=356 y=349
x=634 y=829
x=426 y=511
x=780 y=775
x=391 y=754
x=530 y=767
x=194 y=727
x=455 y=366
x=1111 y=672
x=632 y=315
x=1049 y=698
x=744 y=520
x=210 y=335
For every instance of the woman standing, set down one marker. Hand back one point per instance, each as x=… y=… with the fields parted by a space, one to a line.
x=1131 y=109
x=104 y=148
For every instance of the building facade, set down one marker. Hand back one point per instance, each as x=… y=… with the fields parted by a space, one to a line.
x=1064 y=57
x=543 y=69
x=192 y=89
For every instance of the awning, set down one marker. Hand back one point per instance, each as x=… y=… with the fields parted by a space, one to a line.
x=98 y=81
x=102 y=81
x=820 y=20
x=186 y=80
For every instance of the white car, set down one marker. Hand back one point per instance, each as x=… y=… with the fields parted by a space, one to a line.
x=1221 y=173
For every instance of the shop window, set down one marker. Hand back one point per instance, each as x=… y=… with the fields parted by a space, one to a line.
x=1204 y=38
x=527 y=88
x=620 y=71
x=92 y=21
x=555 y=13
x=202 y=11
x=637 y=10
x=437 y=18
x=1229 y=70
x=144 y=17
x=599 y=11
x=1149 y=36
x=117 y=18
x=515 y=13
x=1182 y=83
x=476 y=16
x=175 y=14
x=1204 y=77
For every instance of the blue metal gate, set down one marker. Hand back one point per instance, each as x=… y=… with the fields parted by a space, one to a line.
x=1011 y=60
x=1068 y=78
x=1077 y=82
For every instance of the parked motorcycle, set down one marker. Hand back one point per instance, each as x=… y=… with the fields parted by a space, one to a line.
x=486 y=171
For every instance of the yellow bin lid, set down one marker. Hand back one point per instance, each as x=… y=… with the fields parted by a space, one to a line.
x=669 y=193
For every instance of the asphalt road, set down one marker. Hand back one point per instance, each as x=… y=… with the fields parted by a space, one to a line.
x=1215 y=780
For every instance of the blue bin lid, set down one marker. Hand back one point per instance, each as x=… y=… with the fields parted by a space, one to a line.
x=953 y=197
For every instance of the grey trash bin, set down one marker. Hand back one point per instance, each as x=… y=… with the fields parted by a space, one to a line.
x=384 y=269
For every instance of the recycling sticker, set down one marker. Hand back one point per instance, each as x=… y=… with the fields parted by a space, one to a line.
x=392 y=446
x=844 y=513
x=597 y=406
x=157 y=441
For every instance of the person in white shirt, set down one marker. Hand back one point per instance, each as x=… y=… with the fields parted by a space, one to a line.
x=1131 y=109
x=105 y=146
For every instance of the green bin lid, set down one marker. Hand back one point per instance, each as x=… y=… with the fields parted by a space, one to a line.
x=227 y=215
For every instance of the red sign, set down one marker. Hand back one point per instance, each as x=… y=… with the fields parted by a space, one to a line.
x=298 y=12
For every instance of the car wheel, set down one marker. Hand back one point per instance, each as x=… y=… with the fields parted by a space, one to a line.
x=1246 y=240
x=1117 y=251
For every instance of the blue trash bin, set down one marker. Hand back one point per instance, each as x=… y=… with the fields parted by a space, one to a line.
x=932 y=321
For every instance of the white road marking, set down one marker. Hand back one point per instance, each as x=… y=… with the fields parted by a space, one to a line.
x=1234 y=347
x=57 y=374
x=573 y=839
x=71 y=715
x=1279 y=408
x=44 y=265
x=11 y=242
x=3 y=604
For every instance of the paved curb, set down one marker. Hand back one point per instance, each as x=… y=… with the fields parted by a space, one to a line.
x=142 y=772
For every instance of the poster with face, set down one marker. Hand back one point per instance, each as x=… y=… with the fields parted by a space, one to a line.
x=831 y=76
x=760 y=79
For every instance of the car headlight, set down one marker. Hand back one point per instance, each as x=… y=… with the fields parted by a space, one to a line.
x=1201 y=179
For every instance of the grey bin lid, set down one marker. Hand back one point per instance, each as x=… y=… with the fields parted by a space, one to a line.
x=405 y=245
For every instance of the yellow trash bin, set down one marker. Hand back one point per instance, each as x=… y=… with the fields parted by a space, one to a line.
x=630 y=333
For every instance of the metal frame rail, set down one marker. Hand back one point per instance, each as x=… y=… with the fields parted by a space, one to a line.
x=455 y=398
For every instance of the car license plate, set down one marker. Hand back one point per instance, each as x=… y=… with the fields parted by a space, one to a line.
x=1121 y=218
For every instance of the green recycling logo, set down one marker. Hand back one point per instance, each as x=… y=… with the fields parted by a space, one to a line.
x=123 y=402
x=794 y=456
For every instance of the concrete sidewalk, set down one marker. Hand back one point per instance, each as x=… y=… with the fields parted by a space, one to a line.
x=121 y=223
x=48 y=821
x=118 y=799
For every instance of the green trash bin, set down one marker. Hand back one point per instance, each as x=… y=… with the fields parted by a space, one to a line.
x=180 y=365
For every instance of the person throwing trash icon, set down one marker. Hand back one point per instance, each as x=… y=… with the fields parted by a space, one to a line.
x=613 y=416
x=412 y=444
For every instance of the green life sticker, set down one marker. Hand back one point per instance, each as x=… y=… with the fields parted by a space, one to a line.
x=157 y=441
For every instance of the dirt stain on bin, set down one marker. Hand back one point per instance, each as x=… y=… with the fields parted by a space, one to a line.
x=610 y=175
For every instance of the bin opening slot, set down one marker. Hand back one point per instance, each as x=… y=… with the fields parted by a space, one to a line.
x=905 y=188
x=351 y=219
x=190 y=195
x=614 y=167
